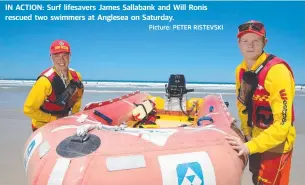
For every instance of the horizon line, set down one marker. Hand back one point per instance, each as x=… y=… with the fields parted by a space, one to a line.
x=32 y=79
x=143 y=81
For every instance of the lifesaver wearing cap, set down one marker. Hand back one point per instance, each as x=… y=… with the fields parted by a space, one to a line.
x=60 y=46
x=62 y=98
x=252 y=27
x=262 y=116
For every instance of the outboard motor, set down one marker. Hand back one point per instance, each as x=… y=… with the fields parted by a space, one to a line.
x=176 y=91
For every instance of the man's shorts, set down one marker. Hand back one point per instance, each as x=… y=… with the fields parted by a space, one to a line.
x=270 y=168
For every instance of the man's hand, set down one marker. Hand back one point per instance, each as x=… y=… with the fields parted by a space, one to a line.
x=238 y=144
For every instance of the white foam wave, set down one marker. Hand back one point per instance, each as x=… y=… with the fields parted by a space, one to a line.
x=136 y=85
x=155 y=92
x=150 y=85
x=162 y=92
x=139 y=85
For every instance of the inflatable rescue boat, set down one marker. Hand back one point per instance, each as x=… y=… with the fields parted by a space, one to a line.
x=139 y=139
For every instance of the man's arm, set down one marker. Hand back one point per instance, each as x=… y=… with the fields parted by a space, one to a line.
x=280 y=84
x=77 y=106
x=240 y=107
x=39 y=92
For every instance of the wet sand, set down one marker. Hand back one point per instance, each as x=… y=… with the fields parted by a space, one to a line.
x=15 y=129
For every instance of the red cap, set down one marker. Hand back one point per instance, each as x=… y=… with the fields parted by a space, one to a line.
x=252 y=27
x=60 y=46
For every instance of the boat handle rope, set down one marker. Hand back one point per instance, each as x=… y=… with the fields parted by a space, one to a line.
x=84 y=129
x=206 y=117
x=203 y=118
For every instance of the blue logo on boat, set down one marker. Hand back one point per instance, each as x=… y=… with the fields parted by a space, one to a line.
x=28 y=152
x=190 y=174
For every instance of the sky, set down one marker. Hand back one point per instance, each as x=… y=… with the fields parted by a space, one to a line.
x=127 y=50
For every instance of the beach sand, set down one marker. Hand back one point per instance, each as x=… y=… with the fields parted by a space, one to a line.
x=15 y=130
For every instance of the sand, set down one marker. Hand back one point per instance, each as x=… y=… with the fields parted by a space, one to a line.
x=15 y=129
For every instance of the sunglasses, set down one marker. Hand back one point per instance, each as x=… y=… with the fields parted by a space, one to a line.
x=252 y=26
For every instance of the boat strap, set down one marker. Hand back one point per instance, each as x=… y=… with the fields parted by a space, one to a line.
x=146 y=119
x=141 y=104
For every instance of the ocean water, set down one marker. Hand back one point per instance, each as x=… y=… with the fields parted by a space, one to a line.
x=17 y=90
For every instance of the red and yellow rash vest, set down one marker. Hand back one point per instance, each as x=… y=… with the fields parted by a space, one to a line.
x=272 y=130
x=42 y=90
